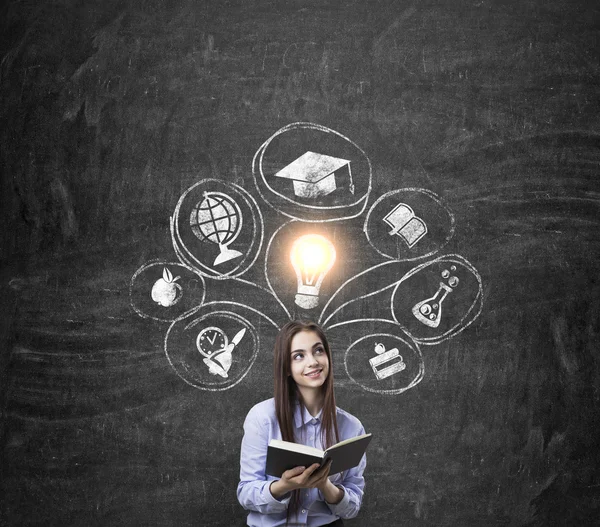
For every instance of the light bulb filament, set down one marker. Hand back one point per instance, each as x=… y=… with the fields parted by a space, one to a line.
x=312 y=257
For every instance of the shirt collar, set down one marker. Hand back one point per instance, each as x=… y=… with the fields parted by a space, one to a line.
x=301 y=414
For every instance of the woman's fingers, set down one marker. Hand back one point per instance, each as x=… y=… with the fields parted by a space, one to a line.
x=309 y=471
x=293 y=472
x=319 y=476
x=298 y=476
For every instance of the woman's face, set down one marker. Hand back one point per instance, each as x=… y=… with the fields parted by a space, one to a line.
x=308 y=359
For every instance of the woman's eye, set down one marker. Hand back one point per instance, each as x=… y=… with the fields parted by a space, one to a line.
x=319 y=351
x=297 y=356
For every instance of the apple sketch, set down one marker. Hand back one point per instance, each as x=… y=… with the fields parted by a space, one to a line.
x=166 y=291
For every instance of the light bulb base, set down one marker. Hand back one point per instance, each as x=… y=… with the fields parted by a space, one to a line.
x=307 y=301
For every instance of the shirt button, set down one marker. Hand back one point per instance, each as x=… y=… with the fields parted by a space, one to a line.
x=303 y=511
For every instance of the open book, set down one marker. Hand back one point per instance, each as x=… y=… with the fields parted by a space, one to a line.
x=283 y=455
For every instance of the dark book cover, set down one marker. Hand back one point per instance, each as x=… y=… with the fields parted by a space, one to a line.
x=282 y=455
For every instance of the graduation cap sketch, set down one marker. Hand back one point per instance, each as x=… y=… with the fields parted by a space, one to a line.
x=314 y=174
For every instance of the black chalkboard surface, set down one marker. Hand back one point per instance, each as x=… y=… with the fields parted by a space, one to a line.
x=164 y=166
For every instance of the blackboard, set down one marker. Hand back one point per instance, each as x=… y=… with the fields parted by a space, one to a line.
x=460 y=150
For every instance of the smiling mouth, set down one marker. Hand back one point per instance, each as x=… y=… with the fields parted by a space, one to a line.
x=313 y=374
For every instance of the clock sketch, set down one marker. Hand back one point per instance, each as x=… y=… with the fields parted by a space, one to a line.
x=372 y=288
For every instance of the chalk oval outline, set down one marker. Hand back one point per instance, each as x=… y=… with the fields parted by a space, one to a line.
x=460 y=326
x=417 y=351
x=431 y=195
x=158 y=261
x=208 y=386
x=257 y=227
x=259 y=155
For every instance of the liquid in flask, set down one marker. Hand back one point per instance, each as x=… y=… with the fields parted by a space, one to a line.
x=429 y=311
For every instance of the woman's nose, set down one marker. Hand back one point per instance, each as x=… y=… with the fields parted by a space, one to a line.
x=312 y=360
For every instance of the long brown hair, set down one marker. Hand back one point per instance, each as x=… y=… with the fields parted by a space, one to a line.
x=287 y=394
x=286 y=391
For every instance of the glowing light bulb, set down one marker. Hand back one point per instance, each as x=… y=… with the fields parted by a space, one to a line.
x=312 y=257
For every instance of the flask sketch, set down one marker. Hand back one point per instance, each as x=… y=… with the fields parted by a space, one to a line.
x=429 y=311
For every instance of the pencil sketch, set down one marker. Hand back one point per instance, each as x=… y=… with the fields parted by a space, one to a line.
x=212 y=342
x=198 y=350
x=317 y=178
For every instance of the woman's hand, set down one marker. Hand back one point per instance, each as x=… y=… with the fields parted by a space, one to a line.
x=312 y=477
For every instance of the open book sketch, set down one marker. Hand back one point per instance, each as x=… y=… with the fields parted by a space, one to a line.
x=405 y=224
x=317 y=178
x=409 y=236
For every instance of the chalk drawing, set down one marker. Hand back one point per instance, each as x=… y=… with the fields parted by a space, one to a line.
x=198 y=350
x=314 y=175
x=166 y=291
x=266 y=269
x=301 y=254
x=216 y=213
x=312 y=257
x=304 y=172
x=429 y=311
x=350 y=199
x=155 y=294
x=412 y=236
x=212 y=342
x=392 y=269
x=218 y=219
x=405 y=224
x=408 y=291
x=386 y=363
x=462 y=294
x=388 y=373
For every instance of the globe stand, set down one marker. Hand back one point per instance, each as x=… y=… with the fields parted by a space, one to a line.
x=226 y=254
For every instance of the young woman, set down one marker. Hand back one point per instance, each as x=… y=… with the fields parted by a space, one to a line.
x=303 y=411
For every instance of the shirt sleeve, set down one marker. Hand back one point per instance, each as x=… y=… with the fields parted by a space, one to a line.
x=353 y=485
x=253 y=489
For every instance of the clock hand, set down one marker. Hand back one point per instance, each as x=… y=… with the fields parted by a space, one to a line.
x=234 y=342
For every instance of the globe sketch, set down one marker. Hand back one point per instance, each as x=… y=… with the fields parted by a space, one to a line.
x=218 y=219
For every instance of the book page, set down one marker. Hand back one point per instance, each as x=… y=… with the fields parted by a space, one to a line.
x=295 y=447
x=346 y=441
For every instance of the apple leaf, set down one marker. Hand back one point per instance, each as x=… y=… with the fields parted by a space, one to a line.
x=167 y=276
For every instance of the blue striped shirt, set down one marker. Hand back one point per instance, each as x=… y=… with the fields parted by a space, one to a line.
x=253 y=491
